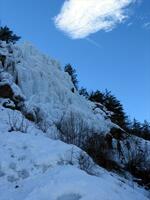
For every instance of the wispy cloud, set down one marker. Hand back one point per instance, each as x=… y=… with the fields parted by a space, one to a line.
x=93 y=42
x=80 y=18
x=146 y=25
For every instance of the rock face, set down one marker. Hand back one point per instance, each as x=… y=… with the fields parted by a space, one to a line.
x=9 y=104
x=8 y=75
x=38 y=82
x=2 y=59
x=6 y=91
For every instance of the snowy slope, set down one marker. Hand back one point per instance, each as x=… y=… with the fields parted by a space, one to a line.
x=46 y=86
x=30 y=170
x=34 y=166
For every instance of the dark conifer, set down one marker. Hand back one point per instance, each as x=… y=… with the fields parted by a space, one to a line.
x=72 y=72
x=84 y=92
x=7 y=35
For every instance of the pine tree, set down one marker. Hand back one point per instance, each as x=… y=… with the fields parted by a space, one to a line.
x=84 y=92
x=113 y=104
x=72 y=72
x=146 y=130
x=136 y=128
x=7 y=35
x=97 y=97
x=140 y=129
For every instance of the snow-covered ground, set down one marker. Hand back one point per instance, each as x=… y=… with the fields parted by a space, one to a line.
x=34 y=166
x=30 y=169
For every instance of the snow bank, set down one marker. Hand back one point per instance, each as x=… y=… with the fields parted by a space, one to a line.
x=69 y=183
x=30 y=170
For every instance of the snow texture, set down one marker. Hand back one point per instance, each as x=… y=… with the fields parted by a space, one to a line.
x=30 y=170
x=47 y=86
x=31 y=164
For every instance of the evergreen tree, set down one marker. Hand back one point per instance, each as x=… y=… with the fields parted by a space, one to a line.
x=97 y=97
x=84 y=92
x=140 y=129
x=145 y=126
x=7 y=35
x=136 y=128
x=72 y=72
x=146 y=130
x=113 y=104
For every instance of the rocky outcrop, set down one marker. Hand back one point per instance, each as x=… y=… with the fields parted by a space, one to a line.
x=6 y=91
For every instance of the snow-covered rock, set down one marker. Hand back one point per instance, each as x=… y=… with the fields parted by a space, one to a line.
x=46 y=86
x=34 y=166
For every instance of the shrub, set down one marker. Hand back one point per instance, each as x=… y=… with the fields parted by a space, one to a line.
x=79 y=158
x=99 y=148
x=86 y=163
x=17 y=123
x=138 y=163
x=72 y=129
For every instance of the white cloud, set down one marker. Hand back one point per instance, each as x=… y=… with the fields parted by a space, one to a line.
x=147 y=25
x=80 y=18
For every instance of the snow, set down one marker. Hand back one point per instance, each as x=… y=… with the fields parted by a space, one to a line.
x=33 y=166
x=30 y=170
x=45 y=85
x=68 y=181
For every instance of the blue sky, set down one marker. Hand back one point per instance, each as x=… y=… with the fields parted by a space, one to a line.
x=116 y=57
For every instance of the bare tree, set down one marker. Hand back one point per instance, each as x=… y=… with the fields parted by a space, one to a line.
x=72 y=129
x=17 y=122
x=79 y=158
